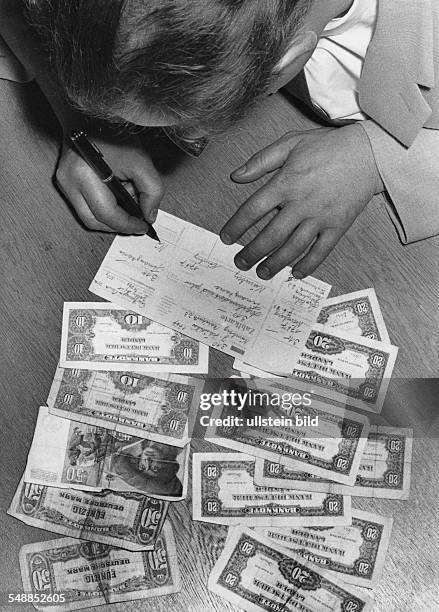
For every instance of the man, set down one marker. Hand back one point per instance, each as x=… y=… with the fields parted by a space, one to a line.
x=150 y=467
x=203 y=64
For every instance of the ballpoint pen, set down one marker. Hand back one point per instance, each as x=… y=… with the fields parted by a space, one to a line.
x=95 y=159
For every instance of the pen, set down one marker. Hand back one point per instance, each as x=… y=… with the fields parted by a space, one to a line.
x=95 y=159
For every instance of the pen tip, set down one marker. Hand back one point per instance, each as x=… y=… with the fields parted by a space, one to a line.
x=153 y=234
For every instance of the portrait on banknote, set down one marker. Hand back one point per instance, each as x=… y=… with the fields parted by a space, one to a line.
x=149 y=466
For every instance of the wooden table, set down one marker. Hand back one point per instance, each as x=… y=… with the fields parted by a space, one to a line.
x=47 y=258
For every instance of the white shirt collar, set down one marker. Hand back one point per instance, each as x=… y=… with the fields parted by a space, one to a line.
x=360 y=12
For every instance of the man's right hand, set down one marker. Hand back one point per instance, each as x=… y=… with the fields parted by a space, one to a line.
x=93 y=201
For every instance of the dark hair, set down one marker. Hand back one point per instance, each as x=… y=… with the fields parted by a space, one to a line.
x=206 y=61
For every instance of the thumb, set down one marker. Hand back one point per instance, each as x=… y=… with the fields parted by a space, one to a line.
x=269 y=159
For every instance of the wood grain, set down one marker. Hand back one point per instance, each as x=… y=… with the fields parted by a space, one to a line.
x=47 y=257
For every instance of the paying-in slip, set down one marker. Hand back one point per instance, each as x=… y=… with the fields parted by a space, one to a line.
x=190 y=283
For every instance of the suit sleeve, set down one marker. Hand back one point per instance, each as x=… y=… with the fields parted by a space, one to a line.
x=411 y=178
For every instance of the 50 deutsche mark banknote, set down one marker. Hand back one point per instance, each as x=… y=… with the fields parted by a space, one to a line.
x=126 y=519
x=75 y=455
x=80 y=574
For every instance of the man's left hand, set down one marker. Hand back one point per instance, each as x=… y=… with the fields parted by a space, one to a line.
x=322 y=179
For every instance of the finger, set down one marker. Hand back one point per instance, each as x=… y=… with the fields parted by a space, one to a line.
x=150 y=189
x=85 y=214
x=130 y=187
x=267 y=160
x=104 y=207
x=254 y=209
x=320 y=250
x=271 y=238
x=290 y=250
x=134 y=193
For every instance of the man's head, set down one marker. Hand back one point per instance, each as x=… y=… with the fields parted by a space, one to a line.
x=158 y=461
x=196 y=63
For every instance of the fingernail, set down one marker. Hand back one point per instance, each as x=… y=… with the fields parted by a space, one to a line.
x=241 y=171
x=153 y=215
x=241 y=263
x=264 y=273
x=298 y=274
x=226 y=239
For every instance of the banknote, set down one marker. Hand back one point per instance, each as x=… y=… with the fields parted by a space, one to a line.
x=323 y=440
x=189 y=282
x=246 y=370
x=355 y=553
x=351 y=370
x=79 y=574
x=257 y=575
x=272 y=474
x=384 y=470
x=129 y=520
x=101 y=336
x=159 y=408
x=357 y=313
x=224 y=492
x=75 y=455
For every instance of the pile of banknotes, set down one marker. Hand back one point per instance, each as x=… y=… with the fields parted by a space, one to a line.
x=294 y=539
x=110 y=452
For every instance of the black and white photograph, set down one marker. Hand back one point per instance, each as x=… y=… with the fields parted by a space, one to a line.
x=219 y=305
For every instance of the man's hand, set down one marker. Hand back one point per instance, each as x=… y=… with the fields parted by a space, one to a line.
x=323 y=179
x=93 y=201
